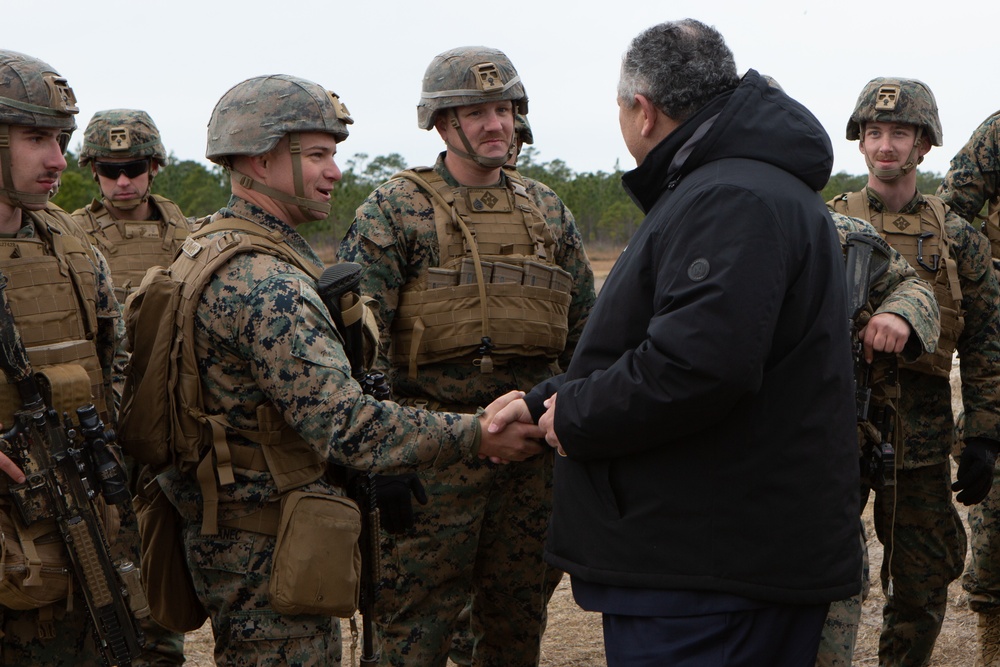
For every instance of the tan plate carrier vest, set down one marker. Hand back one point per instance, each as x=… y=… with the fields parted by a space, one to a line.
x=52 y=287
x=496 y=280
x=290 y=460
x=923 y=241
x=133 y=246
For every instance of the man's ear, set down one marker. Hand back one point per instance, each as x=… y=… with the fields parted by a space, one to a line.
x=649 y=113
x=925 y=145
x=441 y=122
x=655 y=124
x=257 y=164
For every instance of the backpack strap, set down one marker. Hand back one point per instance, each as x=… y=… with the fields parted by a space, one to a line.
x=238 y=235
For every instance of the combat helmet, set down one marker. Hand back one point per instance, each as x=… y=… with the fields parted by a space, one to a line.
x=469 y=75
x=32 y=94
x=123 y=133
x=895 y=100
x=253 y=116
x=522 y=128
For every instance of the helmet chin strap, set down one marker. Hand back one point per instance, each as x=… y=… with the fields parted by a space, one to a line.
x=127 y=204
x=17 y=198
x=306 y=206
x=912 y=160
x=470 y=154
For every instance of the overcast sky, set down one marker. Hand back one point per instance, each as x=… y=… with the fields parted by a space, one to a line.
x=175 y=59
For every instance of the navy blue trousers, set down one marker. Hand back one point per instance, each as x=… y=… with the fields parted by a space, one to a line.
x=784 y=636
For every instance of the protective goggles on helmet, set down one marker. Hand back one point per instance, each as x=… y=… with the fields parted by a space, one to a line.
x=131 y=169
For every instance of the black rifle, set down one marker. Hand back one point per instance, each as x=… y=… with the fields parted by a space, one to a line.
x=66 y=466
x=867 y=259
x=338 y=283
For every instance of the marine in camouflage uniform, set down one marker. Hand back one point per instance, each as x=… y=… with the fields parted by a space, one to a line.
x=133 y=228
x=269 y=357
x=35 y=98
x=901 y=293
x=135 y=231
x=464 y=640
x=481 y=533
x=972 y=182
x=915 y=518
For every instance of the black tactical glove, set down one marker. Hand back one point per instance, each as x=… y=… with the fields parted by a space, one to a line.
x=393 y=497
x=975 y=470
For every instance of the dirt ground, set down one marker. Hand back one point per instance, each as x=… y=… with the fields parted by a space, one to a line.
x=574 y=637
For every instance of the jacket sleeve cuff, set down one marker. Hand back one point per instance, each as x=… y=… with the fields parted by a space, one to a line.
x=477 y=438
x=536 y=405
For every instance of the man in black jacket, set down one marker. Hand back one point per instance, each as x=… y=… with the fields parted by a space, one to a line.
x=706 y=499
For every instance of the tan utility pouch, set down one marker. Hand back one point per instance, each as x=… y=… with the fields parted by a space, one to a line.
x=317 y=559
x=173 y=601
x=35 y=570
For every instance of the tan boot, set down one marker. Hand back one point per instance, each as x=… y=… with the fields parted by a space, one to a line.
x=988 y=640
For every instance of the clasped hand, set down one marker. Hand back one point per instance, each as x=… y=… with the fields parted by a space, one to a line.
x=511 y=444
x=516 y=412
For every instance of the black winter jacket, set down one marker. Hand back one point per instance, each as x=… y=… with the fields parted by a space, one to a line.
x=708 y=411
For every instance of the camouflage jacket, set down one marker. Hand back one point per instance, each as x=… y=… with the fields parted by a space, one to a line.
x=926 y=422
x=263 y=335
x=899 y=291
x=394 y=238
x=973 y=178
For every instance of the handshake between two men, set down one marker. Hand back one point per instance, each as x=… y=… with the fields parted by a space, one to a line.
x=501 y=444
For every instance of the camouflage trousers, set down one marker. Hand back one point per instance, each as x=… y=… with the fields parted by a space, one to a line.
x=463 y=642
x=480 y=536
x=982 y=577
x=840 y=629
x=924 y=550
x=48 y=637
x=230 y=572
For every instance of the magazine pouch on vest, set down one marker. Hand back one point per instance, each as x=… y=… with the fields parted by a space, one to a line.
x=921 y=238
x=497 y=293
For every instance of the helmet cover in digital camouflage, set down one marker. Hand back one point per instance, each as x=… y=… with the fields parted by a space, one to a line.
x=468 y=75
x=121 y=133
x=254 y=115
x=32 y=94
x=522 y=128
x=903 y=101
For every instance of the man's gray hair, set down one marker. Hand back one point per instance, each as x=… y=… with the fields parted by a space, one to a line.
x=680 y=66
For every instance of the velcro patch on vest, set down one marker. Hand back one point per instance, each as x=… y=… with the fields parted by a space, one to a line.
x=144 y=229
x=495 y=200
x=901 y=223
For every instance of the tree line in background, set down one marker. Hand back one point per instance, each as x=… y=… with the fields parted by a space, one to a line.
x=604 y=213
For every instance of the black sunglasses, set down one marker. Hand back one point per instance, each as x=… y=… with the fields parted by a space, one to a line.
x=130 y=169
